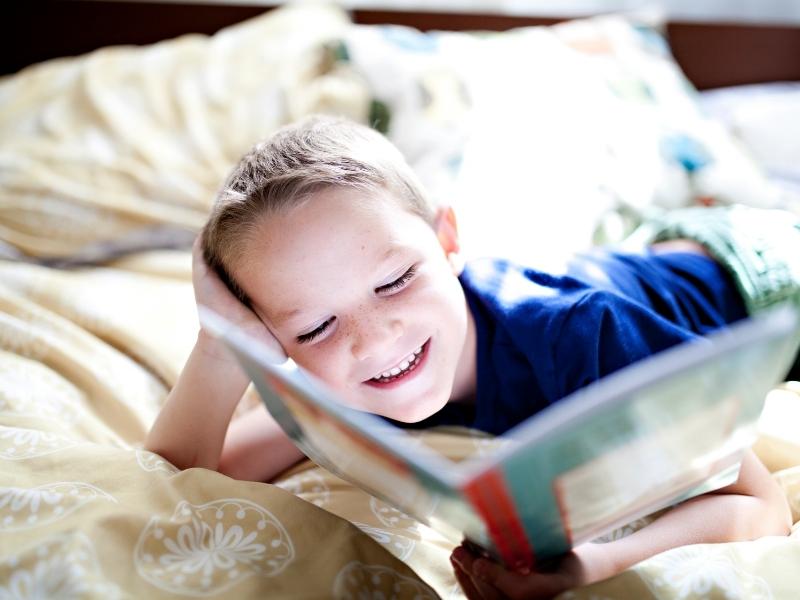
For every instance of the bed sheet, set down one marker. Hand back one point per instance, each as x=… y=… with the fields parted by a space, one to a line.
x=86 y=362
x=84 y=510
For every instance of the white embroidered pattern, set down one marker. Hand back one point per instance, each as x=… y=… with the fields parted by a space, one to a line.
x=152 y=462
x=390 y=516
x=23 y=508
x=308 y=485
x=33 y=390
x=704 y=571
x=203 y=550
x=358 y=581
x=399 y=545
x=64 y=566
x=17 y=443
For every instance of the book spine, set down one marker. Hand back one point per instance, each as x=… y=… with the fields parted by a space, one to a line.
x=489 y=496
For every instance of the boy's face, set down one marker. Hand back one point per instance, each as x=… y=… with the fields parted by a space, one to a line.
x=360 y=292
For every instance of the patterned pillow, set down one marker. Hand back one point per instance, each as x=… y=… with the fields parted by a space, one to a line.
x=547 y=139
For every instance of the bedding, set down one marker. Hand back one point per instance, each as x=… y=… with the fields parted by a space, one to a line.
x=750 y=113
x=599 y=98
x=96 y=154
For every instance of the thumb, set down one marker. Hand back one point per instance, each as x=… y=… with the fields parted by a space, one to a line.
x=519 y=585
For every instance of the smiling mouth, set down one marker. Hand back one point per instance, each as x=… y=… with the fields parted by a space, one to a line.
x=406 y=366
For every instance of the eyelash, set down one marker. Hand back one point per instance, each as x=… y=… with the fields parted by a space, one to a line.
x=399 y=282
x=389 y=287
x=312 y=335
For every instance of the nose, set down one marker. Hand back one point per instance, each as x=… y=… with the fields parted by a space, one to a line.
x=369 y=339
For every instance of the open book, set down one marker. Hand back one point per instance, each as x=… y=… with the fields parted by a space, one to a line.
x=660 y=431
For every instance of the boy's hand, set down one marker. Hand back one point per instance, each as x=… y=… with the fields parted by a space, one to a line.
x=210 y=291
x=483 y=579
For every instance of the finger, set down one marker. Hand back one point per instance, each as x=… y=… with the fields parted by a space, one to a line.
x=519 y=585
x=198 y=262
x=197 y=247
x=466 y=561
x=486 y=590
x=465 y=581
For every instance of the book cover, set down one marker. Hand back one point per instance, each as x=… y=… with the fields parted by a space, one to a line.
x=649 y=436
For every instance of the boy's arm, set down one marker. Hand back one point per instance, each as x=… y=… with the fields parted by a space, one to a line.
x=191 y=428
x=256 y=448
x=752 y=507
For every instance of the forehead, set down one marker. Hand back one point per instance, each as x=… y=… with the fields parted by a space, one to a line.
x=321 y=248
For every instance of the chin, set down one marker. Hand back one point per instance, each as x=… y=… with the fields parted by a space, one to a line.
x=419 y=411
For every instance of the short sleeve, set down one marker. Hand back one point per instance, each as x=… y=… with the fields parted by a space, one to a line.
x=605 y=332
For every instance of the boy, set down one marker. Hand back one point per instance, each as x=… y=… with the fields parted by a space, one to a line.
x=327 y=250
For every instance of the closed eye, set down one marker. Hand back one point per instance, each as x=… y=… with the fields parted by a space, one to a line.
x=399 y=282
x=311 y=335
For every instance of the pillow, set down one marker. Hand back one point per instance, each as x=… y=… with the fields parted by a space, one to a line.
x=547 y=139
x=106 y=146
x=766 y=118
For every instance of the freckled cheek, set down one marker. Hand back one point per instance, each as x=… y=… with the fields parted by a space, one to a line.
x=328 y=362
x=433 y=302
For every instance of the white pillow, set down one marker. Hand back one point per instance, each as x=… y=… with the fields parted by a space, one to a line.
x=547 y=139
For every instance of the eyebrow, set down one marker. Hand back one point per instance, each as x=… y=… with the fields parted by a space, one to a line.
x=285 y=315
x=390 y=253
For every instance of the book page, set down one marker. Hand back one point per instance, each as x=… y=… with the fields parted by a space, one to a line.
x=640 y=475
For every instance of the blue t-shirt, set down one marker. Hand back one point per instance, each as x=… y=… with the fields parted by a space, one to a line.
x=542 y=336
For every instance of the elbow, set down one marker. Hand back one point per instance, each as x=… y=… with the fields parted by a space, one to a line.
x=776 y=515
x=770 y=513
x=752 y=517
x=783 y=520
x=778 y=510
x=776 y=521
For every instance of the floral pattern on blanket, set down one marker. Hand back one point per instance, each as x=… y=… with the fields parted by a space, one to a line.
x=85 y=511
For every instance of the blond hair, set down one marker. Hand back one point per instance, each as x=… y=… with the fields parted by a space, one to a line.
x=286 y=169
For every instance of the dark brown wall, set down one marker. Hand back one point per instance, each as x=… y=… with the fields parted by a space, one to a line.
x=711 y=55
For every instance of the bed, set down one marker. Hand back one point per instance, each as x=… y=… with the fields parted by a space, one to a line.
x=108 y=165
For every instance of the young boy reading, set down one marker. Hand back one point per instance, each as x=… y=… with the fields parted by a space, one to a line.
x=322 y=244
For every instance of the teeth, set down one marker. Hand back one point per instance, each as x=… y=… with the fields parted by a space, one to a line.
x=405 y=364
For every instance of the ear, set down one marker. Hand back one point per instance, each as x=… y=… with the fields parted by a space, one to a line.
x=447 y=233
x=445 y=226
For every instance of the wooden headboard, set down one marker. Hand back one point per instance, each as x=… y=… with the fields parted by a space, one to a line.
x=711 y=55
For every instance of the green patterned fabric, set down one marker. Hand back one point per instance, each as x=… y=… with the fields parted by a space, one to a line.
x=759 y=247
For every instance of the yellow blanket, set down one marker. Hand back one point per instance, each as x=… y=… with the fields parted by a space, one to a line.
x=92 y=149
